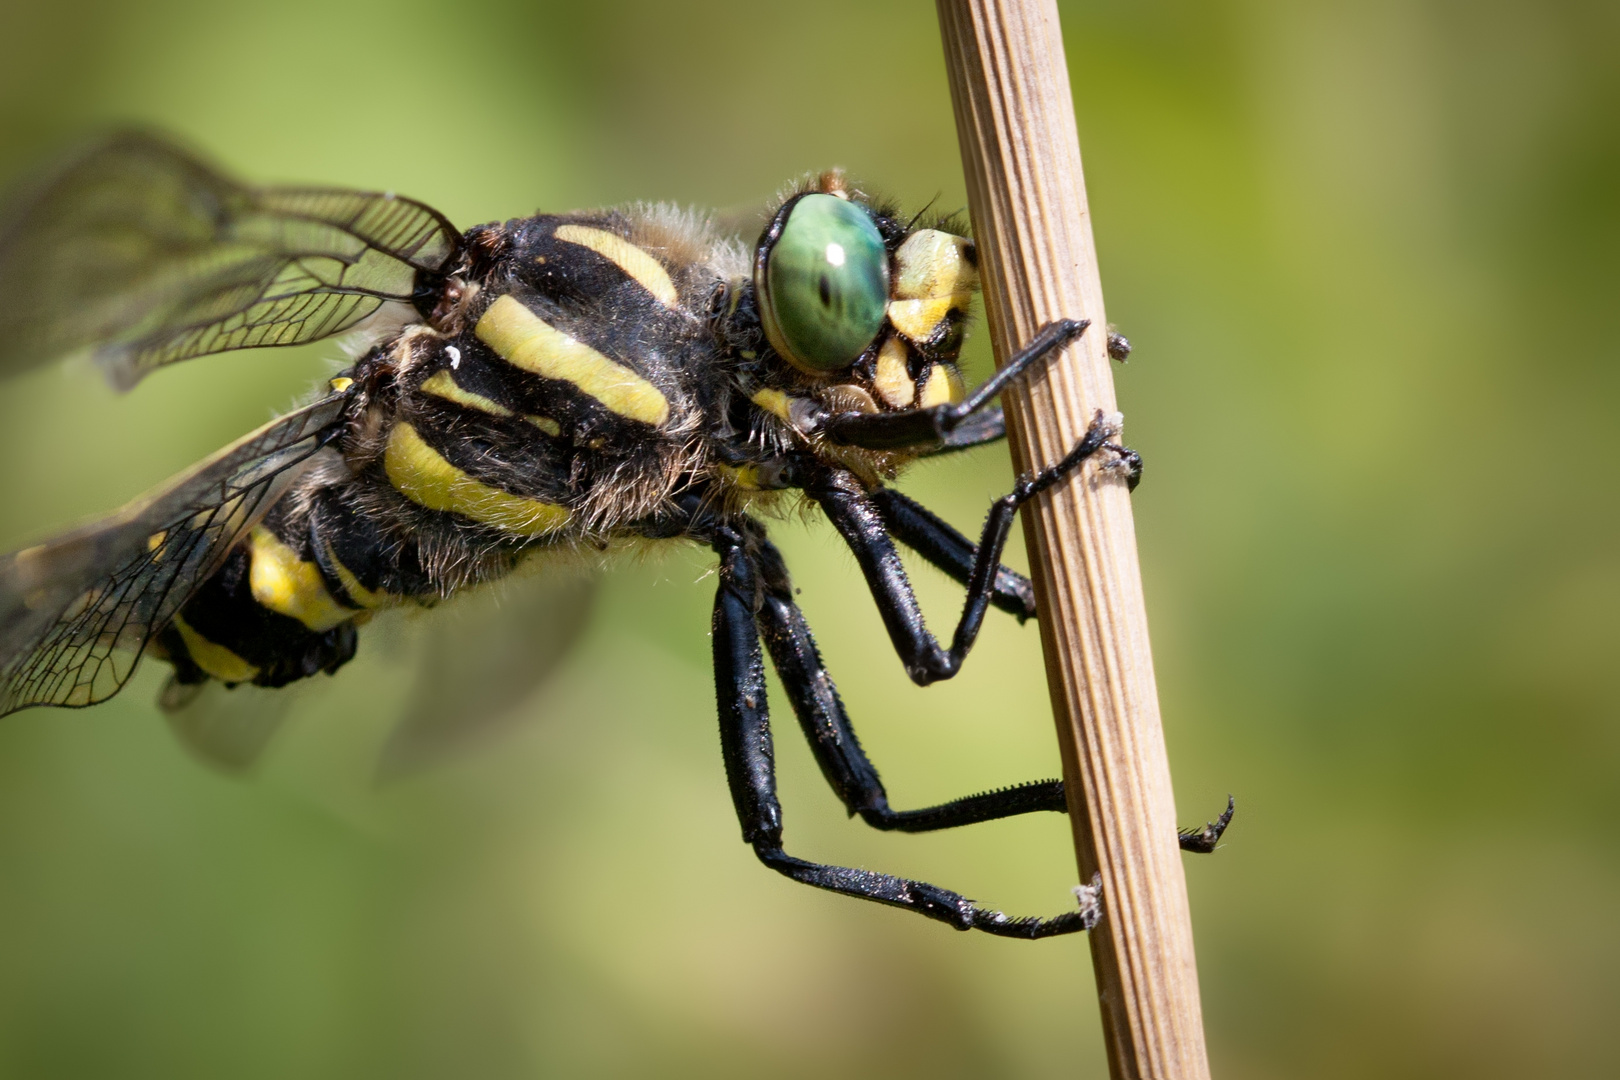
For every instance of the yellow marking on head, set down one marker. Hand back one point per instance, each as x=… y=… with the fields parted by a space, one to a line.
x=932 y=264
x=423 y=476
x=892 y=378
x=216 y=660
x=284 y=583
x=340 y=384
x=441 y=384
x=529 y=342
x=627 y=257
x=358 y=594
x=918 y=319
x=774 y=402
x=933 y=276
x=943 y=386
x=546 y=424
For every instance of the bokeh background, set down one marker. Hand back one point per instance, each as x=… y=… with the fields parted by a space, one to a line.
x=1367 y=253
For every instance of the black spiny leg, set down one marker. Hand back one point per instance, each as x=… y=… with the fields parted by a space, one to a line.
x=857 y=518
x=919 y=427
x=981 y=429
x=844 y=763
x=989 y=425
x=821 y=714
x=1203 y=841
x=745 y=741
x=924 y=532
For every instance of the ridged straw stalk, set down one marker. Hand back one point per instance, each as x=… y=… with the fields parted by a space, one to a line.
x=1015 y=118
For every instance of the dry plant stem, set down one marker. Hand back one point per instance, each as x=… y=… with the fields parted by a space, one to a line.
x=1015 y=118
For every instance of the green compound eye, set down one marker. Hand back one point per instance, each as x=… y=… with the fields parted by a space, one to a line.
x=824 y=284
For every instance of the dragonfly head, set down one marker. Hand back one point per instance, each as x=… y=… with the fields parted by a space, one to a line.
x=857 y=300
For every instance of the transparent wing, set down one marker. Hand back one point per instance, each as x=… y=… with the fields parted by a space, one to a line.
x=477 y=659
x=77 y=611
x=228 y=727
x=136 y=250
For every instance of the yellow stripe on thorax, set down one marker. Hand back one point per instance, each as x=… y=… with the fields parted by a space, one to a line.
x=216 y=660
x=527 y=341
x=626 y=256
x=284 y=583
x=441 y=384
x=422 y=475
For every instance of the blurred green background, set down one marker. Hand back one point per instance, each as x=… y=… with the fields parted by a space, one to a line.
x=1368 y=254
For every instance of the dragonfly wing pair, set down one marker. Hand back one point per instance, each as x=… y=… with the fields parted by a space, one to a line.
x=134 y=252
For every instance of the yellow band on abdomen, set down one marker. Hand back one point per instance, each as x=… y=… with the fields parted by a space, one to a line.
x=527 y=341
x=422 y=475
x=284 y=583
x=216 y=660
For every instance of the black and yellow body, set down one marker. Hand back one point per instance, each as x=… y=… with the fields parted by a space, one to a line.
x=563 y=385
x=551 y=386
